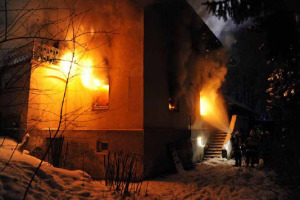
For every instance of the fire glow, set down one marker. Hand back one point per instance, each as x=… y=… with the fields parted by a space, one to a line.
x=212 y=107
x=84 y=68
x=66 y=64
x=204 y=106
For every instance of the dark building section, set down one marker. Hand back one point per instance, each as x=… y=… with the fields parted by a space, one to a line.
x=174 y=35
x=14 y=91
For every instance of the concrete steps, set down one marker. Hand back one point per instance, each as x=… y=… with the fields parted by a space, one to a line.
x=215 y=145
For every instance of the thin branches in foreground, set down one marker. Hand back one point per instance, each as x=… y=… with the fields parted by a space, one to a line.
x=124 y=173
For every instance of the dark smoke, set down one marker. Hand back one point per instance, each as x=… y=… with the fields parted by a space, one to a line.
x=195 y=56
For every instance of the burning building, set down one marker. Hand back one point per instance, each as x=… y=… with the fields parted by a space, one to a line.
x=137 y=94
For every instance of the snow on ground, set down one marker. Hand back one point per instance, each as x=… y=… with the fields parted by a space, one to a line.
x=50 y=182
x=218 y=179
x=211 y=179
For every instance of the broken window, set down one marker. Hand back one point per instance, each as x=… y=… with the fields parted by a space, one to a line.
x=99 y=83
x=101 y=98
x=173 y=106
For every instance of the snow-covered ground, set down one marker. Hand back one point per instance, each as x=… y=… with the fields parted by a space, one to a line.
x=50 y=182
x=218 y=179
x=211 y=179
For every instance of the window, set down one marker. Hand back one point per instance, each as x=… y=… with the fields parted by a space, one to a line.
x=173 y=106
x=102 y=146
x=101 y=99
x=101 y=95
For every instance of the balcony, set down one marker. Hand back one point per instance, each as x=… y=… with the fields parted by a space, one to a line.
x=32 y=51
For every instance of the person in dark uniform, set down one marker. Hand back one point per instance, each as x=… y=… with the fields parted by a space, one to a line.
x=267 y=147
x=251 y=149
x=236 y=142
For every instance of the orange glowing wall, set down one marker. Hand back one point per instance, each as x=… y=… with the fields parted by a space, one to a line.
x=123 y=54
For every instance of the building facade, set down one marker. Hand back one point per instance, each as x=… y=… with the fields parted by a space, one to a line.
x=124 y=97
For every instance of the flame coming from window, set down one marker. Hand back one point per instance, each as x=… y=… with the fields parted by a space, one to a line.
x=172 y=106
x=84 y=69
x=212 y=106
x=89 y=80
x=204 y=106
x=213 y=111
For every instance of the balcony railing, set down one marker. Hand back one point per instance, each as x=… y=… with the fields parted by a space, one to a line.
x=32 y=50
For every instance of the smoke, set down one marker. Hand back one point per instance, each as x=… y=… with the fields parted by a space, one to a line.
x=194 y=60
x=181 y=52
x=197 y=63
x=216 y=25
x=208 y=76
x=223 y=30
x=212 y=105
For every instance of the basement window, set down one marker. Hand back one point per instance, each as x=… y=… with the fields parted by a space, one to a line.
x=102 y=146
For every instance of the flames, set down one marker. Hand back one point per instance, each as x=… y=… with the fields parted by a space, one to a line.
x=212 y=106
x=68 y=63
x=172 y=105
x=84 y=69
x=205 y=107
x=89 y=80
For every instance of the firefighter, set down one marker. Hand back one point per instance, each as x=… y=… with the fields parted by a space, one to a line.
x=251 y=149
x=267 y=147
x=236 y=141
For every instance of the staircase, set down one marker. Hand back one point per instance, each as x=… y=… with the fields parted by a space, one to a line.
x=215 y=145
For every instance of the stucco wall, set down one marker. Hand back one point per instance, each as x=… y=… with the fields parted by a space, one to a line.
x=80 y=147
x=122 y=53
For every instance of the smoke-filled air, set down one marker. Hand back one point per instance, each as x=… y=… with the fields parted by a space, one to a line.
x=212 y=106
